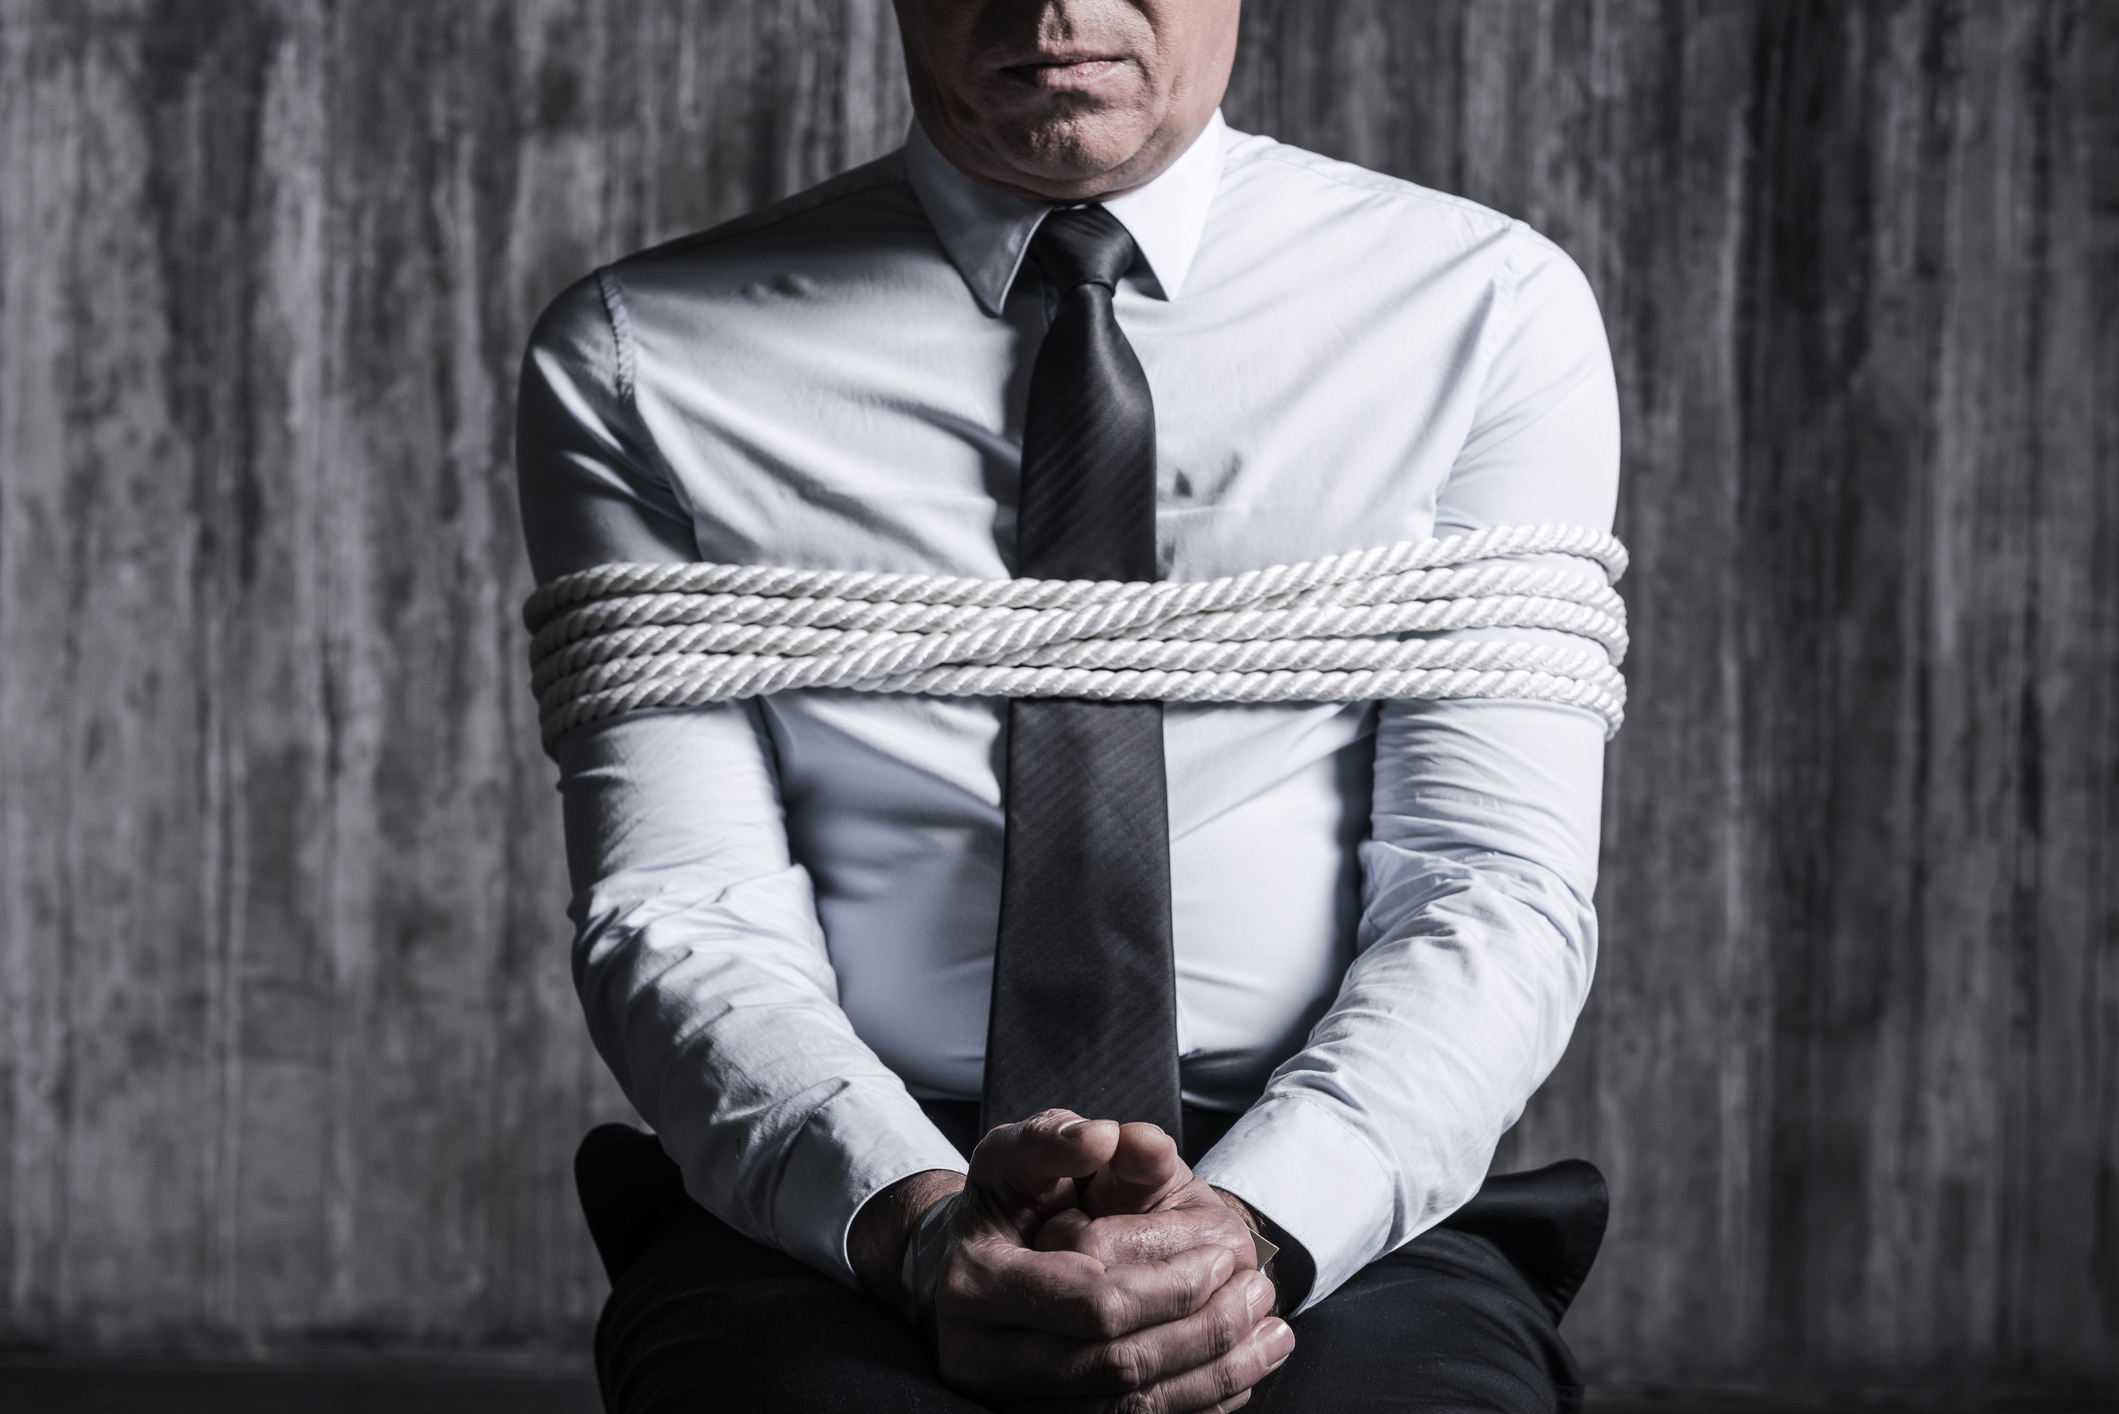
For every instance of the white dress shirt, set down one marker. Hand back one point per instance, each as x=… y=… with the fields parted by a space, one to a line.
x=787 y=907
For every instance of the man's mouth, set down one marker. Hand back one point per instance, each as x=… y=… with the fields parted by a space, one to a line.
x=1072 y=70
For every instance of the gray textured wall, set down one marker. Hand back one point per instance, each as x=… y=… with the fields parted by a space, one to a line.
x=288 y=1055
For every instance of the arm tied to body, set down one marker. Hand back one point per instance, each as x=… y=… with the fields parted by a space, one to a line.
x=622 y=637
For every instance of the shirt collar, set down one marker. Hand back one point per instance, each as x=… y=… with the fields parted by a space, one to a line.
x=986 y=232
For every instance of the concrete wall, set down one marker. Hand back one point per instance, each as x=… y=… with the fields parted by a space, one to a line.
x=289 y=1060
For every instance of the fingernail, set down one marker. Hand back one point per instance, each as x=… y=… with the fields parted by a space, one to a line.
x=1260 y=1292
x=1279 y=1341
x=1067 y=1130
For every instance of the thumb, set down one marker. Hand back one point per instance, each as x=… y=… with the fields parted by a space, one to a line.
x=1022 y=1173
x=1144 y=1170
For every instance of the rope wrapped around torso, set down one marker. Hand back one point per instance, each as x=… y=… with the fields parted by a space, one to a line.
x=620 y=637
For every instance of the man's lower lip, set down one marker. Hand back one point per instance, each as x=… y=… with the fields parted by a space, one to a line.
x=1076 y=75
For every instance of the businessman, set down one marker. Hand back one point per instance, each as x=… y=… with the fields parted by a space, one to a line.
x=990 y=1045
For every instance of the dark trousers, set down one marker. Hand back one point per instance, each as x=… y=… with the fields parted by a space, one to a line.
x=700 y=1318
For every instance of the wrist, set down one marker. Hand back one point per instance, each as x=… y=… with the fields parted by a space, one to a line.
x=1280 y=1257
x=1243 y=1209
x=928 y=1245
x=881 y=1231
x=1262 y=1247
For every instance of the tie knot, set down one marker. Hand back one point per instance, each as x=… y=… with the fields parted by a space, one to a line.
x=1082 y=245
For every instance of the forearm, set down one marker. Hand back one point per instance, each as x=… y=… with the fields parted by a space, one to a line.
x=708 y=989
x=781 y=1120
x=1478 y=940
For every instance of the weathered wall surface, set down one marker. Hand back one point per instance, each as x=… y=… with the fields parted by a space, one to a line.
x=288 y=1053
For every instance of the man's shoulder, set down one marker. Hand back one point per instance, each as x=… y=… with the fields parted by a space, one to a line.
x=831 y=234
x=1324 y=190
x=869 y=202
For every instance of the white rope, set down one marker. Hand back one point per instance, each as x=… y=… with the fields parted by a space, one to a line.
x=622 y=637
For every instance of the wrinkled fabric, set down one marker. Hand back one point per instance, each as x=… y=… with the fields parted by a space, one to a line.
x=786 y=907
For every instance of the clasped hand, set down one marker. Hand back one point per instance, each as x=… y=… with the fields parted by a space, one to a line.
x=1135 y=1290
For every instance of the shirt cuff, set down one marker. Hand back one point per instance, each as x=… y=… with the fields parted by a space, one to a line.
x=1314 y=1175
x=852 y=1147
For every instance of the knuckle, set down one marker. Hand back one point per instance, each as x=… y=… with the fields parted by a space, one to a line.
x=1109 y=1312
x=1093 y=1241
x=958 y=1291
x=1126 y=1365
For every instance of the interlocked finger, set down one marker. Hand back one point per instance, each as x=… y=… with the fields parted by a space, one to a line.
x=1206 y=1354
x=1067 y=1294
x=1221 y=1383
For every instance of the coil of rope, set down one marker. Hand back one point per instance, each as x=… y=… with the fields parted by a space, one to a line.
x=621 y=637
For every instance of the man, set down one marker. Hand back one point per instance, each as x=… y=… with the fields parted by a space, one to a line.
x=1076 y=328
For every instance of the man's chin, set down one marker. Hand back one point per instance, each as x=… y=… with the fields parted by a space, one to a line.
x=1072 y=154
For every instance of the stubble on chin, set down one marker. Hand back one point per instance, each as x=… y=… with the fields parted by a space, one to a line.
x=1075 y=149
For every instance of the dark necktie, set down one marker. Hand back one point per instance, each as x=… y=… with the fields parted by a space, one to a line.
x=1084 y=992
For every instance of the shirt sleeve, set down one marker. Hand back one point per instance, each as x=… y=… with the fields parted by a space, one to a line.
x=697 y=956
x=1478 y=936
